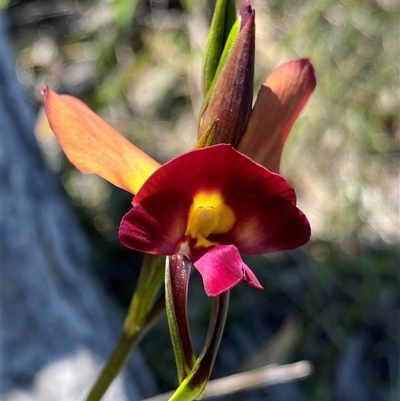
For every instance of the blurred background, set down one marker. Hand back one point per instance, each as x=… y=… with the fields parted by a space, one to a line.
x=336 y=301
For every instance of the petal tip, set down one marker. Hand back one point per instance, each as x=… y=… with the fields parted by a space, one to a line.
x=304 y=69
x=250 y=278
x=247 y=15
x=311 y=74
x=307 y=65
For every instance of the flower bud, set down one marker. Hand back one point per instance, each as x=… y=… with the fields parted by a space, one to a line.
x=228 y=109
x=221 y=26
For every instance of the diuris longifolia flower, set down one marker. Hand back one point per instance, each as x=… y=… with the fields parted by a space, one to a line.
x=208 y=206
x=213 y=203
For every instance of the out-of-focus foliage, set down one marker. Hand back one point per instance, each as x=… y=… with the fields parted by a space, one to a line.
x=3 y=3
x=124 y=11
x=143 y=75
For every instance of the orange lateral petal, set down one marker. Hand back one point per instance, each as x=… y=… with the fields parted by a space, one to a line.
x=279 y=102
x=93 y=146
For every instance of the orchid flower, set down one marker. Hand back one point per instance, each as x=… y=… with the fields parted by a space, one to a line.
x=214 y=203
x=208 y=206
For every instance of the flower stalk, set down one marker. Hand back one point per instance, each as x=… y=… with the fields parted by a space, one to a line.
x=177 y=274
x=194 y=384
x=144 y=311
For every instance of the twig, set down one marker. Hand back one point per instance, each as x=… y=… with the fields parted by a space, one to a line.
x=263 y=377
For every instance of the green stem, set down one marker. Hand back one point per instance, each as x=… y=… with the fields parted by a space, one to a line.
x=143 y=312
x=121 y=351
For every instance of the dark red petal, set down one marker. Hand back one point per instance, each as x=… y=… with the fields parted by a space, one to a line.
x=157 y=224
x=222 y=268
x=265 y=223
x=216 y=168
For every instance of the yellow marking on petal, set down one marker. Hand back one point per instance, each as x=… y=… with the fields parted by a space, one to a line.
x=209 y=214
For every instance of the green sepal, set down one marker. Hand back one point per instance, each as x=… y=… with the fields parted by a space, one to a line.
x=177 y=273
x=222 y=60
x=193 y=386
x=223 y=19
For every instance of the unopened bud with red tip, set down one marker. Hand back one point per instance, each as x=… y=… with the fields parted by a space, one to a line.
x=228 y=109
